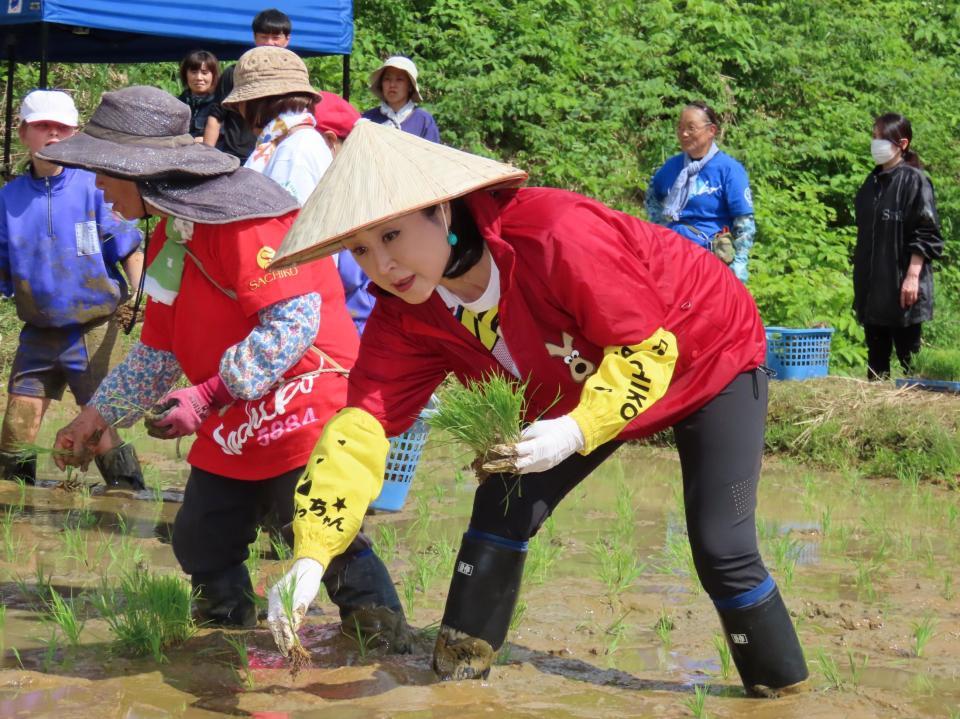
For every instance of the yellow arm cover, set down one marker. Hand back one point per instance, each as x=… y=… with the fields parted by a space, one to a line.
x=629 y=379
x=344 y=474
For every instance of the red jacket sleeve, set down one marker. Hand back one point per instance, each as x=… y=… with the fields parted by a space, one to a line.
x=394 y=376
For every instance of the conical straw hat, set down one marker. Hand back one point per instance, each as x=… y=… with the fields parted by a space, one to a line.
x=381 y=173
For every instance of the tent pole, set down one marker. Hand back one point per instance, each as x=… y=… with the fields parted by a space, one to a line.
x=346 y=77
x=44 y=39
x=8 y=121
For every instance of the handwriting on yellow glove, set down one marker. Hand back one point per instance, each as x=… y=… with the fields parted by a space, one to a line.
x=344 y=474
x=629 y=379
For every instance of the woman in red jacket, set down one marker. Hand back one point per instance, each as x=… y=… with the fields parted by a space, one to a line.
x=619 y=327
x=263 y=351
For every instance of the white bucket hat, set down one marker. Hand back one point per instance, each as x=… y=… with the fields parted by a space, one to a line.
x=380 y=174
x=401 y=63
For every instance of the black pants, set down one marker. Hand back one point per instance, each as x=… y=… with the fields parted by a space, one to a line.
x=720 y=447
x=880 y=340
x=220 y=516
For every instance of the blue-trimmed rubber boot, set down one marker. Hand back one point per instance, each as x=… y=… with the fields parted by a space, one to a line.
x=483 y=593
x=763 y=641
x=370 y=610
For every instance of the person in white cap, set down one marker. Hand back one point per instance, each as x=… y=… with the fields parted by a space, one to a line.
x=60 y=247
x=395 y=84
x=616 y=328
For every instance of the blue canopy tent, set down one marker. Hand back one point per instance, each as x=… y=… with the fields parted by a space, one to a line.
x=117 y=31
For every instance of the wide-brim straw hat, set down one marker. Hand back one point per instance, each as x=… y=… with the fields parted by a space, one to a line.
x=140 y=133
x=267 y=71
x=401 y=63
x=380 y=174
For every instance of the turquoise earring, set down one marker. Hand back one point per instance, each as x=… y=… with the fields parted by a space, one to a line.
x=452 y=239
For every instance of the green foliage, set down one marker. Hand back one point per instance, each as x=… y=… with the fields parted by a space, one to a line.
x=585 y=96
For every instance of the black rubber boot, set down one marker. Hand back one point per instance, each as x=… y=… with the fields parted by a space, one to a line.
x=19 y=466
x=120 y=468
x=224 y=599
x=480 y=603
x=370 y=609
x=764 y=645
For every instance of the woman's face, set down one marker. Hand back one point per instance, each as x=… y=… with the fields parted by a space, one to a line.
x=123 y=195
x=200 y=80
x=902 y=144
x=405 y=256
x=395 y=85
x=695 y=132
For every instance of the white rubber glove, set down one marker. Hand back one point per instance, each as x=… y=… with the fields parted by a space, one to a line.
x=546 y=443
x=306 y=573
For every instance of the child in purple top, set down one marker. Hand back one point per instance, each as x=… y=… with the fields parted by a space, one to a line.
x=60 y=245
x=395 y=83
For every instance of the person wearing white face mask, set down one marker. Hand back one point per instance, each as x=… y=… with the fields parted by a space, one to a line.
x=898 y=236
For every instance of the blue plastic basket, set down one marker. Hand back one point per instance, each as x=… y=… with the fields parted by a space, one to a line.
x=798 y=354
x=402 y=463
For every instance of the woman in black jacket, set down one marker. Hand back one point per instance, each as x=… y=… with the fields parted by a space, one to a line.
x=898 y=235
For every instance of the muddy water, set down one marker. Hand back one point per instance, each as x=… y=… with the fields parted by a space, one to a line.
x=860 y=562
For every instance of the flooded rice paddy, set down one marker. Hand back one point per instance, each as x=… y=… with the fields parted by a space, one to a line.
x=610 y=622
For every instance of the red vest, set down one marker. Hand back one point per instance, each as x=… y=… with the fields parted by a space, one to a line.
x=575 y=275
x=260 y=438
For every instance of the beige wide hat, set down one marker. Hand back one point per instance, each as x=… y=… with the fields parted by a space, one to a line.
x=267 y=71
x=401 y=63
x=380 y=174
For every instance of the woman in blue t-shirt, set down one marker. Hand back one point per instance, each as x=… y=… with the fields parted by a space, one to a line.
x=703 y=193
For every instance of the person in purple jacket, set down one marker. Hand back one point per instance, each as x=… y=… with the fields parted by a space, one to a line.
x=395 y=83
x=60 y=244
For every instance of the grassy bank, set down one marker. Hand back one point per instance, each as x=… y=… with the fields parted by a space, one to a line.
x=840 y=423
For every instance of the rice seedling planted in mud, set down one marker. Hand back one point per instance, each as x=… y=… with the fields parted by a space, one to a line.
x=147 y=613
x=241 y=671
x=697 y=703
x=11 y=546
x=363 y=639
x=62 y=613
x=723 y=651
x=856 y=668
x=542 y=552
x=664 y=627
x=829 y=669
x=387 y=542
x=74 y=541
x=484 y=416
x=618 y=565
x=923 y=632
x=616 y=632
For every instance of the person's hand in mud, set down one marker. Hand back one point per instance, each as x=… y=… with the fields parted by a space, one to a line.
x=76 y=443
x=290 y=598
x=181 y=412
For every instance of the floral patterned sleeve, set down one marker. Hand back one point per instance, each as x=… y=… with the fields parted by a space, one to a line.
x=286 y=330
x=134 y=385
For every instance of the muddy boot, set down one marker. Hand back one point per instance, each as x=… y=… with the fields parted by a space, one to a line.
x=19 y=466
x=763 y=641
x=361 y=587
x=120 y=469
x=483 y=593
x=224 y=599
